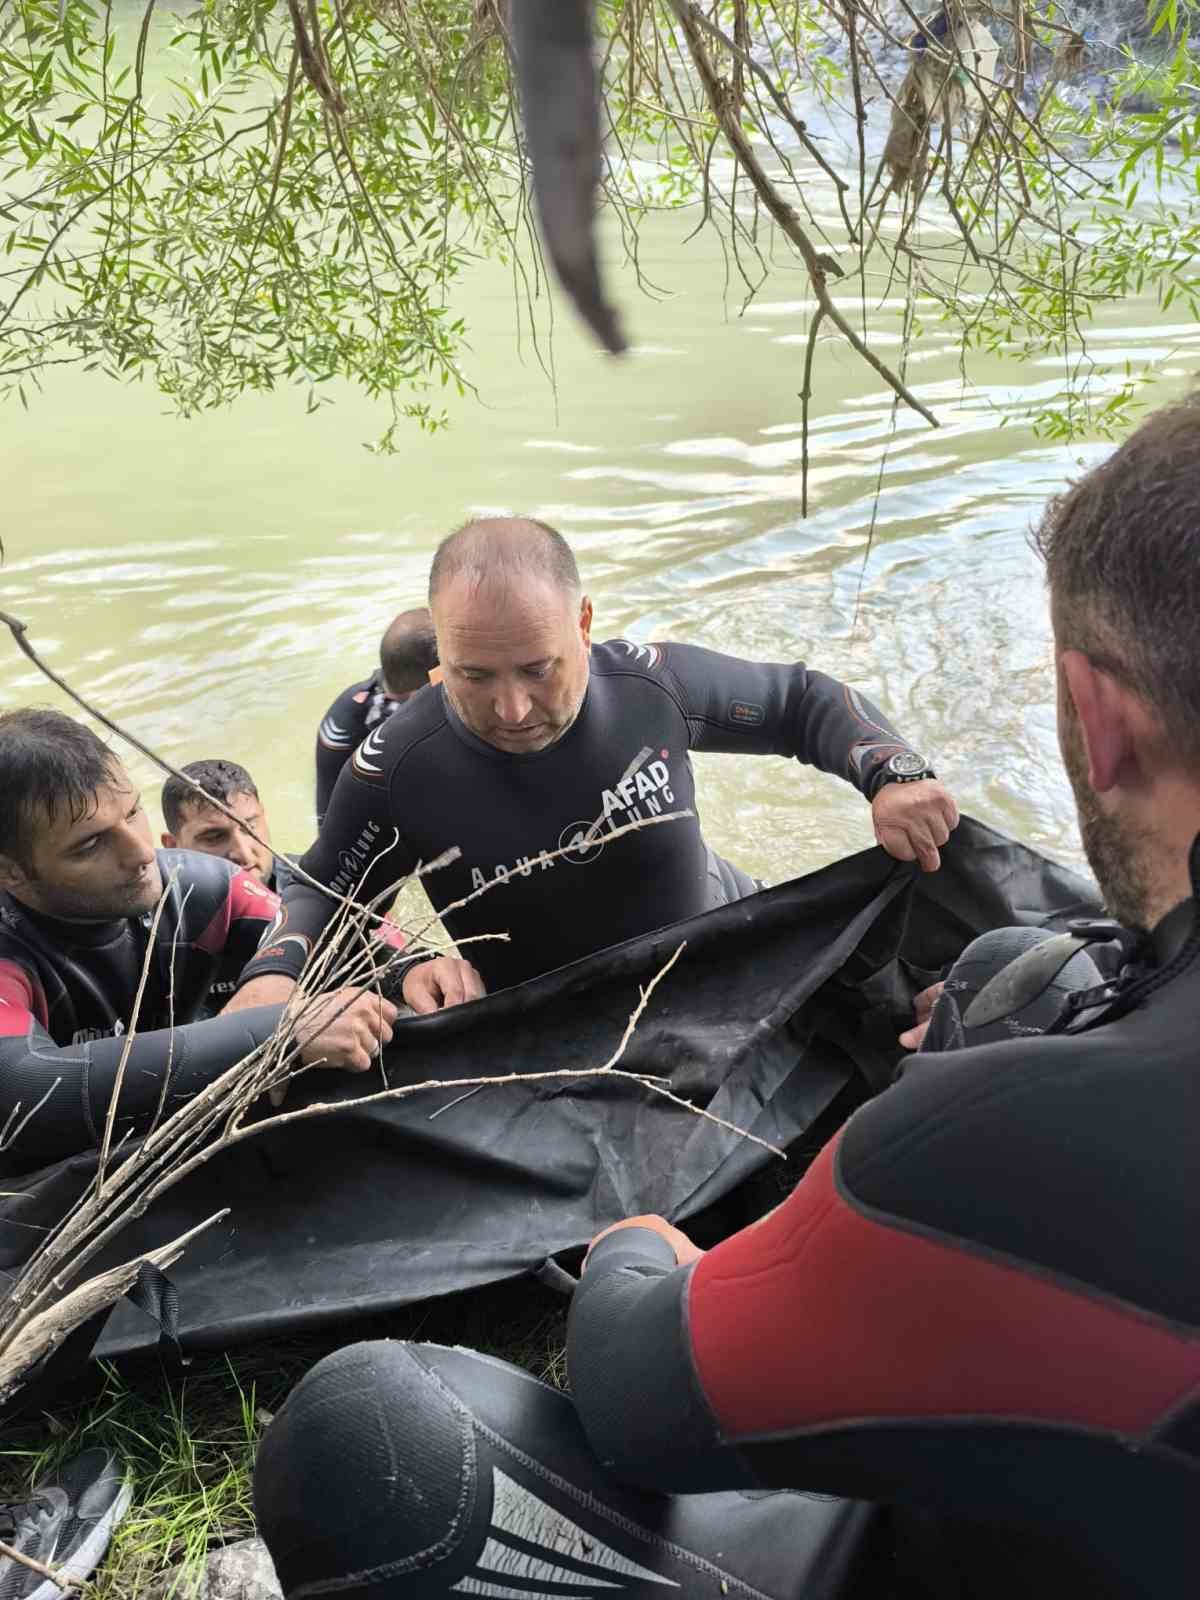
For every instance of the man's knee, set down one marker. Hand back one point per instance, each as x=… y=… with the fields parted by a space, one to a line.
x=328 y=1498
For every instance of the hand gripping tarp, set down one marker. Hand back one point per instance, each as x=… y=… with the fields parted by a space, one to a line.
x=775 y=1004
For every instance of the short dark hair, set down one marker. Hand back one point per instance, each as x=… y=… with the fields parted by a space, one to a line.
x=49 y=763
x=408 y=651
x=1122 y=554
x=505 y=547
x=216 y=778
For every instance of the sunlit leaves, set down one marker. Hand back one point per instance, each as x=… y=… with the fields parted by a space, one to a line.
x=185 y=199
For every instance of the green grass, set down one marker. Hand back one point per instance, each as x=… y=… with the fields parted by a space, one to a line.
x=189 y=1441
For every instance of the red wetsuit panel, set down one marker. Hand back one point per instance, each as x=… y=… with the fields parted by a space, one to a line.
x=247 y=901
x=821 y=1315
x=22 y=1002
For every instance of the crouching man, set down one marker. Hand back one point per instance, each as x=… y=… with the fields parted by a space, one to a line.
x=79 y=882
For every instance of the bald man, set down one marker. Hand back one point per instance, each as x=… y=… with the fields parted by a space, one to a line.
x=538 y=740
x=407 y=655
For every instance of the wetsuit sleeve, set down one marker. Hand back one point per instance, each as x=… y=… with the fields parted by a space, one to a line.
x=244 y=916
x=339 y=732
x=71 y=1085
x=756 y=708
x=356 y=852
x=631 y=1370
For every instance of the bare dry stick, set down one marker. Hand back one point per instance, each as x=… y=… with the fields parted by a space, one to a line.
x=21 y=1350
x=167 y=1070
x=63 y=1580
x=404 y=1091
x=552 y=855
x=131 y=1031
x=635 y=1015
x=780 y=210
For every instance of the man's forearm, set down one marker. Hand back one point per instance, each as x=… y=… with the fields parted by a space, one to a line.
x=272 y=989
x=631 y=1370
x=71 y=1085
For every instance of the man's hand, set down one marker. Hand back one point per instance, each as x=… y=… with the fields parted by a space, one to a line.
x=923 y=1005
x=445 y=981
x=685 y=1250
x=913 y=820
x=346 y=1029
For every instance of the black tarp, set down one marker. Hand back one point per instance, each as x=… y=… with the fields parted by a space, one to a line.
x=775 y=1004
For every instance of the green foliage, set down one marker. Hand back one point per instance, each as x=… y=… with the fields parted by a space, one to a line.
x=222 y=226
x=276 y=192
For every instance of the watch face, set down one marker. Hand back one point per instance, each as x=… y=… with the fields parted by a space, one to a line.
x=907 y=764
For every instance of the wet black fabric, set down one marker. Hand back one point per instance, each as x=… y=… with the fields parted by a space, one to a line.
x=774 y=1005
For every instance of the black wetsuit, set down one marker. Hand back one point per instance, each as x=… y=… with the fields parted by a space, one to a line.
x=344 y=726
x=983 y=1298
x=67 y=992
x=422 y=782
x=282 y=874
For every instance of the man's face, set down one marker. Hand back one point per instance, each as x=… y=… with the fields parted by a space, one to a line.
x=205 y=828
x=92 y=870
x=514 y=659
x=1112 y=845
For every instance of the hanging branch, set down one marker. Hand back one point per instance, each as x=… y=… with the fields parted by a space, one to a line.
x=782 y=212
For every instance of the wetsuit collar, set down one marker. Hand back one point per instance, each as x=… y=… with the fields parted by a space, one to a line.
x=1167 y=936
x=58 y=932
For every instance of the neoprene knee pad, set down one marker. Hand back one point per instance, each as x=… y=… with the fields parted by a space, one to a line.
x=417 y=1471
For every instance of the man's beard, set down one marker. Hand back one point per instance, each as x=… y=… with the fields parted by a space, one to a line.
x=74 y=905
x=1112 y=847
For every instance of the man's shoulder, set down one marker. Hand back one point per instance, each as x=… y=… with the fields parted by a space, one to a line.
x=1014 y=1145
x=629 y=658
x=400 y=737
x=629 y=669
x=341 y=726
x=197 y=885
x=17 y=941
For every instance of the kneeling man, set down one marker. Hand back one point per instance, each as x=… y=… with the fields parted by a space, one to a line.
x=79 y=881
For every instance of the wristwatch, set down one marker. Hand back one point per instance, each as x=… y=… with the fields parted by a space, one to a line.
x=906 y=766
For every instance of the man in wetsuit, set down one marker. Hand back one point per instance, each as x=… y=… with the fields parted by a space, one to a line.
x=980 y=1308
x=538 y=742
x=407 y=655
x=243 y=838
x=79 y=880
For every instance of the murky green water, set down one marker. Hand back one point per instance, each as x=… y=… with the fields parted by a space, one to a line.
x=215 y=582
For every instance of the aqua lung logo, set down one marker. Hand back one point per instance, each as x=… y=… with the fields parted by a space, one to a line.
x=644 y=791
x=353 y=860
x=85 y=1035
x=580 y=841
x=534 y=1552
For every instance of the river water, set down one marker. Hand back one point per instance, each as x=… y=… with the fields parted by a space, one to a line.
x=214 y=582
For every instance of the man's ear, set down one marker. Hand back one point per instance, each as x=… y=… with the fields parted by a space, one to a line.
x=12 y=874
x=170 y=842
x=585 y=620
x=1105 y=711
